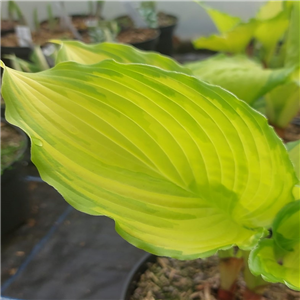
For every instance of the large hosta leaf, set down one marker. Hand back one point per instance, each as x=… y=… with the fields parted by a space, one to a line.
x=233 y=41
x=278 y=259
x=93 y=53
x=239 y=75
x=183 y=167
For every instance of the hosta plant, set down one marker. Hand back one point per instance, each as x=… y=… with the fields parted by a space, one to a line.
x=185 y=168
x=147 y=10
x=259 y=60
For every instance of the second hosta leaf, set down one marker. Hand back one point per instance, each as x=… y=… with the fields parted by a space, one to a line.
x=283 y=103
x=233 y=41
x=224 y=22
x=183 y=167
x=91 y=54
x=239 y=75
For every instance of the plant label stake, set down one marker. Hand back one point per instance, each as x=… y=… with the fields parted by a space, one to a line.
x=24 y=36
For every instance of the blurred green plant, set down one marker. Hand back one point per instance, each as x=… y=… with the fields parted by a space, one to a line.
x=256 y=54
x=38 y=62
x=103 y=31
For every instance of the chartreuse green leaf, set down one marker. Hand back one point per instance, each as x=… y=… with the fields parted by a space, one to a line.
x=283 y=102
x=296 y=190
x=270 y=31
x=93 y=53
x=240 y=75
x=294 y=153
x=278 y=259
x=233 y=41
x=224 y=22
x=234 y=36
x=183 y=167
x=292 y=57
x=269 y=10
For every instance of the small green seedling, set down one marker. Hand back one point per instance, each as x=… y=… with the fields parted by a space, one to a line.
x=52 y=22
x=36 y=20
x=38 y=62
x=147 y=10
x=15 y=13
x=103 y=31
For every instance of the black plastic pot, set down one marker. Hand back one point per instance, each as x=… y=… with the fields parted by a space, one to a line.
x=8 y=30
x=165 y=41
x=135 y=275
x=14 y=194
x=148 y=45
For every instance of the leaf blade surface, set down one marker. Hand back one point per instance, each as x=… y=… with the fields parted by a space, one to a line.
x=174 y=161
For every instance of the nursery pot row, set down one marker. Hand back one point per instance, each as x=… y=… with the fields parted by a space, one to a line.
x=164 y=43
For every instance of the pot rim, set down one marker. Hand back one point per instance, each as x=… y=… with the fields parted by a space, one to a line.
x=138 y=267
x=145 y=41
x=175 y=19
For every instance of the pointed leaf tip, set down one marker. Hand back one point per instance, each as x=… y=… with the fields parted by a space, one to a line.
x=58 y=42
x=2 y=64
